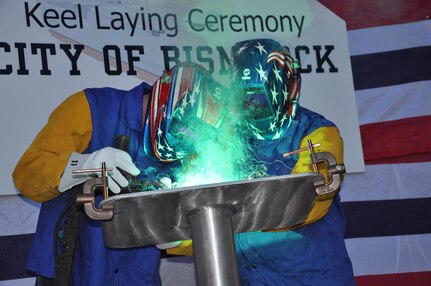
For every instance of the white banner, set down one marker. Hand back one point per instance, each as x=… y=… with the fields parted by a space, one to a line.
x=51 y=49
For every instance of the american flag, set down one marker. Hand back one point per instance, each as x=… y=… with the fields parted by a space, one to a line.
x=388 y=207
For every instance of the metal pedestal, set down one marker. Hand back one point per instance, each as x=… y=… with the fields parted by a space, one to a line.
x=210 y=215
x=214 y=246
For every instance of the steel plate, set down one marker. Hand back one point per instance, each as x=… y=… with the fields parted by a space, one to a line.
x=162 y=216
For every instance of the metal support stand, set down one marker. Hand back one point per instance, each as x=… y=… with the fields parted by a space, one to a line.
x=214 y=246
x=211 y=214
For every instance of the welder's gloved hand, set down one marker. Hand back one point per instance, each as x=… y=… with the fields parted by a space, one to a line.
x=114 y=158
x=166 y=183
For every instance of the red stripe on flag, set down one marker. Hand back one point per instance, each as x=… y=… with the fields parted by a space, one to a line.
x=399 y=141
x=398 y=279
x=371 y=13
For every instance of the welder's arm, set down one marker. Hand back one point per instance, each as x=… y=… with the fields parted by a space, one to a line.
x=330 y=141
x=37 y=174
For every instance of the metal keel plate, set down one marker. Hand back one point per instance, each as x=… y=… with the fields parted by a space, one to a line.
x=162 y=216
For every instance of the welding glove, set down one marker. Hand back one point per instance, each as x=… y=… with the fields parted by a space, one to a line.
x=114 y=158
x=166 y=183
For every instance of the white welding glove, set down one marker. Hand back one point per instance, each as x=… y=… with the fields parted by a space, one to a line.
x=166 y=183
x=111 y=156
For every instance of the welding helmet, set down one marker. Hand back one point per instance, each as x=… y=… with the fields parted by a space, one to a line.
x=266 y=81
x=186 y=103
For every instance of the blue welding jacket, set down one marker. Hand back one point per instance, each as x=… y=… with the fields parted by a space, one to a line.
x=113 y=112
x=314 y=254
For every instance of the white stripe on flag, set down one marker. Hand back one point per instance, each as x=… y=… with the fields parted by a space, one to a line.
x=156 y=101
x=388 y=182
x=276 y=56
x=18 y=215
x=177 y=81
x=390 y=254
x=389 y=38
x=19 y=282
x=394 y=102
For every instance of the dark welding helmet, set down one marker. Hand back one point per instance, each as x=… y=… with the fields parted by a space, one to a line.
x=186 y=104
x=266 y=81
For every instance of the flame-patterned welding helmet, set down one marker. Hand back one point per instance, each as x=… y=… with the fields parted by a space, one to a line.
x=266 y=80
x=186 y=103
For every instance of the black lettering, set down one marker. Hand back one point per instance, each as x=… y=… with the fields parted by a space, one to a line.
x=116 y=60
x=299 y=25
x=132 y=22
x=235 y=19
x=30 y=14
x=22 y=70
x=321 y=60
x=222 y=17
x=120 y=21
x=54 y=16
x=224 y=60
x=8 y=68
x=194 y=28
x=173 y=27
x=210 y=22
x=43 y=55
x=69 y=15
x=131 y=58
x=81 y=21
x=159 y=20
x=98 y=25
x=202 y=59
x=168 y=59
x=289 y=22
x=298 y=50
x=275 y=23
x=73 y=58
x=188 y=51
x=253 y=18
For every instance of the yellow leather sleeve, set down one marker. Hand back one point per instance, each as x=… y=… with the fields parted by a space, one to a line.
x=185 y=248
x=38 y=172
x=330 y=141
